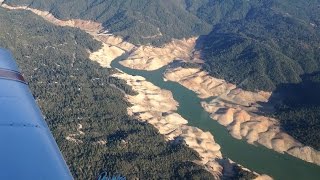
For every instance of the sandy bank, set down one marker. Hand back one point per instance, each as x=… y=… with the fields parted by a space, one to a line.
x=152 y=58
x=113 y=46
x=100 y=56
x=157 y=107
x=239 y=111
x=152 y=104
x=199 y=82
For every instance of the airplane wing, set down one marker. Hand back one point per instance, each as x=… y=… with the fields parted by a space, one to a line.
x=27 y=147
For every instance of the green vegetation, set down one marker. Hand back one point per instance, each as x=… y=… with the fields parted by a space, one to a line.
x=138 y=21
x=152 y=21
x=242 y=174
x=269 y=45
x=217 y=11
x=255 y=44
x=300 y=112
x=264 y=49
x=273 y=47
x=183 y=64
x=72 y=90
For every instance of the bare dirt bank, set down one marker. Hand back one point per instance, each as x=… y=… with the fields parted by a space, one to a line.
x=239 y=111
x=152 y=58
x=152 y=104
x=113 y=46
x=157 y=107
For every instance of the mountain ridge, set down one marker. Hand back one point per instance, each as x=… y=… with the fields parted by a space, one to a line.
x=262 y=37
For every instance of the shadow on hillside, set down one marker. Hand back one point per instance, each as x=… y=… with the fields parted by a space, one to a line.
x=303 y=94
x=299 y=109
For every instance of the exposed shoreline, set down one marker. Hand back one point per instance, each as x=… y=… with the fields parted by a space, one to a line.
x=152 y=58
x=150 y=102
x=157 y=107
x=240 y=112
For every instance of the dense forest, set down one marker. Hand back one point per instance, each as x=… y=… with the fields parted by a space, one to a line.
x=262 y=50
x=138 y=21
x=72 y=90
x=270 y=45
x=300 y=111
x=255 y=44
x=274 y=47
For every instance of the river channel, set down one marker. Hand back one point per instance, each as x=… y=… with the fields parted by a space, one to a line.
x=254 y=157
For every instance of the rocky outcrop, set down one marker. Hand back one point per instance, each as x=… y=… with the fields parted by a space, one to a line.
x=240 y=112
x=75 y=136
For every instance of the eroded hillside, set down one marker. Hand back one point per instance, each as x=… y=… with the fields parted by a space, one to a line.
x=85 y=107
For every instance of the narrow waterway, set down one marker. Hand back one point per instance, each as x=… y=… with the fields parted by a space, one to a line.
x=257 y=158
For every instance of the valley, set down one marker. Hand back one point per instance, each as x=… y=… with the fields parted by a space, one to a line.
x=207 y=149
x=173 y=87
x=251 y=156
x=85 y=106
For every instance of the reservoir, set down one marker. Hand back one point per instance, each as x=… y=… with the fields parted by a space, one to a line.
x=254 y=157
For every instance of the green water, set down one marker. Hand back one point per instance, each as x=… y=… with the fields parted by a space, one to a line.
x=257 y=158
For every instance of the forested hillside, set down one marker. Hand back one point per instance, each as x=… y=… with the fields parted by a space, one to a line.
x=257 y=44
x=139 y=21
x=300 y=112
x=269 y=46
x=273 y=46
x=72 y=90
